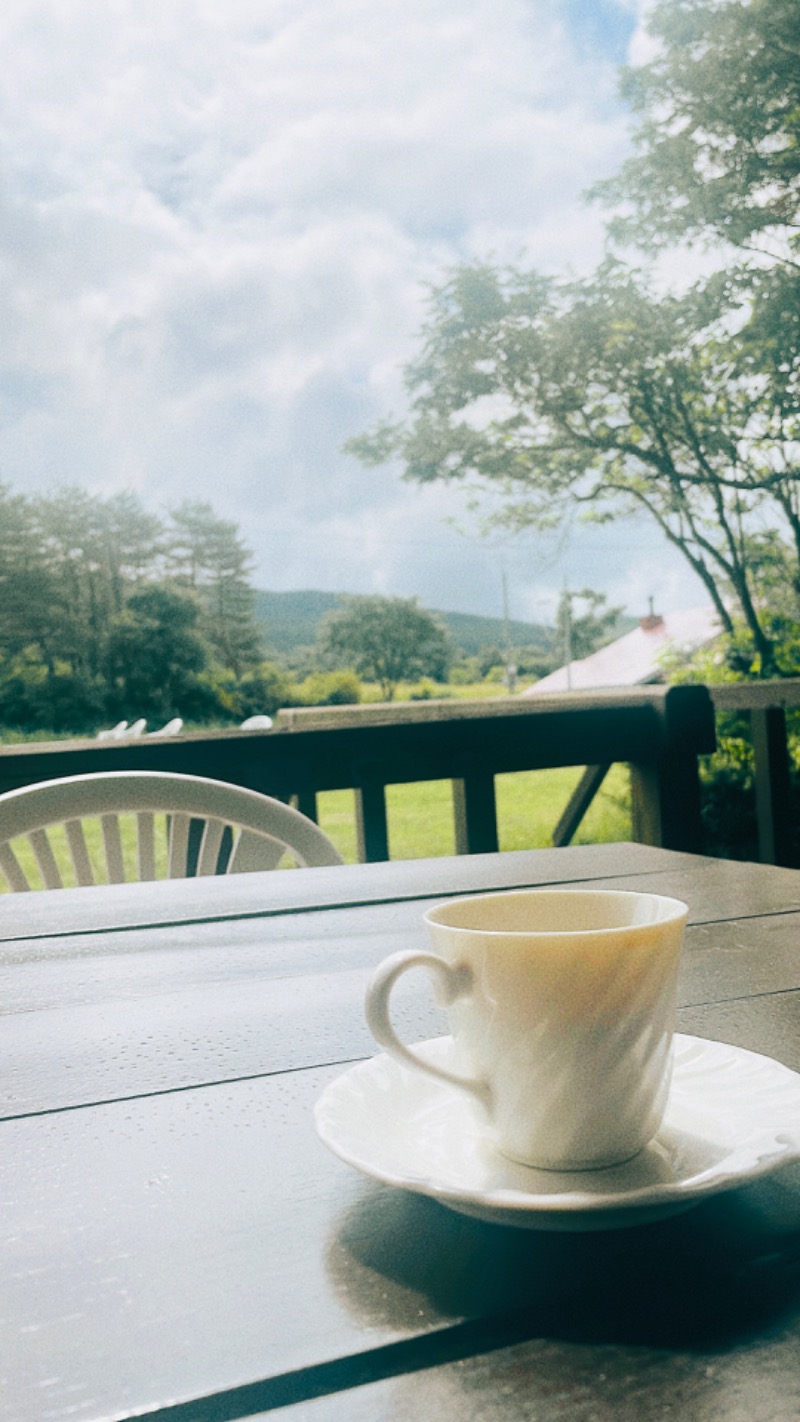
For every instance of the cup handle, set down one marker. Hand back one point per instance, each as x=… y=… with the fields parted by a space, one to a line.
x=452 y=981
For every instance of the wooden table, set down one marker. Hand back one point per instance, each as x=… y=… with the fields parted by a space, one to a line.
x=178 y=1244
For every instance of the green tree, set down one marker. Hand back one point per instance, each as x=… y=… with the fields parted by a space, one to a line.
x=67 y=564
x=386 y=639
x=609 y=395
x=263 y=691
x=90 y=553
x=155 y=655
x=208 y=556
x=718 y=135
x=331 y=688
x=28 y=591
x=133 y=540
x=717 y=163
x=73 y=557
x=597 y=393
x=89 y=625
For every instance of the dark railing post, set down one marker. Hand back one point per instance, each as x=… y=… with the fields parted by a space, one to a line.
x=372 y=828
x=766 y=703
x=475 y=814
x=306 y=803
x=645 y=805
x=665 y=790
x=773 y=785
x=665 y=804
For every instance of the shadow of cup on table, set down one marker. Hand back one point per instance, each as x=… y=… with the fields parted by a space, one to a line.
x=717 y=1274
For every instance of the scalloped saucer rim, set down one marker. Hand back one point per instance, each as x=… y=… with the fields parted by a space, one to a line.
x=733 y=1116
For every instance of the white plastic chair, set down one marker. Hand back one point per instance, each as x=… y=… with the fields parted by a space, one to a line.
x=114 y=733
x=237 y=831
x=124 y=732
x=172 y=728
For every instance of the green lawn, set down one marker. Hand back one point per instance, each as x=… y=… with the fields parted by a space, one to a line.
x=451 y=691
x=529 y=804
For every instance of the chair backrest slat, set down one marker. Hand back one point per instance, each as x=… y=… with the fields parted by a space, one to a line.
x=178 y=845
x=10 y=865
x=45 y=858
x=210 y=845
x=255 y=851
x=79 y=852
x=112 y=844
x=145 y=845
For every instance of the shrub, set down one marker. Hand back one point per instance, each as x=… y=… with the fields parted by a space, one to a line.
x=263 y=692
x=34 y=698
x=465 y=672
x=336 y=688
x=427 y=690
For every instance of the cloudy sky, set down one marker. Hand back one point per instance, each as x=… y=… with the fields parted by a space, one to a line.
x=218 y=223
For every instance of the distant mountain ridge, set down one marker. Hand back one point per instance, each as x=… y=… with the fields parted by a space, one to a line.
x=291 y=620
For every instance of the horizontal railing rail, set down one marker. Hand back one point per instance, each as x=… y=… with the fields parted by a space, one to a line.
x=660 y=732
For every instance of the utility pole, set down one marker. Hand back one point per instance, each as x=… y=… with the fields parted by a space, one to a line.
x=567 y=600
x=511 y=670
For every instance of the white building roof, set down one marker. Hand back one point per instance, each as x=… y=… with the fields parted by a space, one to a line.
x=637 y=657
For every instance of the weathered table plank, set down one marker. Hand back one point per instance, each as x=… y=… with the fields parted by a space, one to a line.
x=250 y=998
x=245 y=895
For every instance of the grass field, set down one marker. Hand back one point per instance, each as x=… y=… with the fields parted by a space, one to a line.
x=529 y=804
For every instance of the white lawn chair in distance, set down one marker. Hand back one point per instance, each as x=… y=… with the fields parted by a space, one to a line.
x=123 y=731
x=115 y=733
x=172 y=728
x=240 y=830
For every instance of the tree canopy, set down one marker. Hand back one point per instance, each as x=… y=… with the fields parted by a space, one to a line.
x=717 y=162
x=718 y=136
x=386 y=639
x=608 y=393
x=206 y=554
x=598 y=393
x=99 y=617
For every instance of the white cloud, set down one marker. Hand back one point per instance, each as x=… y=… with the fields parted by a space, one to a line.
x=643 y=46
x=216 y=233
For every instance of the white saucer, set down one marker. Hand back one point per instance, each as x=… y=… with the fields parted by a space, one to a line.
x=732 y=1116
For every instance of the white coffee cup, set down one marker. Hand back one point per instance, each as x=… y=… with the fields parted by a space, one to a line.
x=561 y=1005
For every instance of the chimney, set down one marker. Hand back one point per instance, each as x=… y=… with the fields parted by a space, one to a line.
x=652 y=621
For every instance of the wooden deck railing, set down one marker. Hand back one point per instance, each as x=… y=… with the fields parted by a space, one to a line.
x=658 y=731
x=766 y=704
